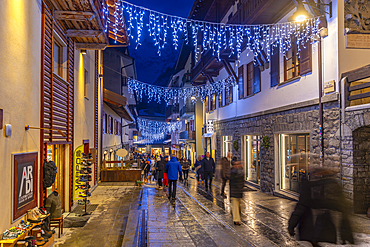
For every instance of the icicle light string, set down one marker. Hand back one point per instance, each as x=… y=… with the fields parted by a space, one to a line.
x=213 y=36
x=155 y=130
x=174 y=94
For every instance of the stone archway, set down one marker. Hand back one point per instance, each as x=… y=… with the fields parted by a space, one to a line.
x=361 y=169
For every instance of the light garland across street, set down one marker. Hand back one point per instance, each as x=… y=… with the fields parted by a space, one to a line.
x=210 y=35
x=174 y=94
x=152 y=130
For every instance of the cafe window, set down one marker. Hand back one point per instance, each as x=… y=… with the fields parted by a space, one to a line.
x=252 y=154
x=58 y=58
x=294 y=160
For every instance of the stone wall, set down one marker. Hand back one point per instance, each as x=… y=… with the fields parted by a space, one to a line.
x=300 y=120
x=356 y=158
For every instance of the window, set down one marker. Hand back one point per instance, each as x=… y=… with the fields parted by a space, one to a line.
x=115 y=127
x=58 y=59
x=229 y=95
x=249 y=80
x=227 y=145
x=110 y=125
x=220 y=100
x=86 y=83
x=212 y=105
x=291 y=62
x=275 y=71
x=252 y=157
x=207 y=104
x=104 y=123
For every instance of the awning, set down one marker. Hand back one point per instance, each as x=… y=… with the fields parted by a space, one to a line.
x=208 y=134
x=118 y=104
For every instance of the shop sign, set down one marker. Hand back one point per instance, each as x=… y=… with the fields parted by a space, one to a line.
x=24 y=183
x=210 y=128
x=329 y=87
x=76 y=174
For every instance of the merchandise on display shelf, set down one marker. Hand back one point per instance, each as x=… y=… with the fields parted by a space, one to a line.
x=84 y=177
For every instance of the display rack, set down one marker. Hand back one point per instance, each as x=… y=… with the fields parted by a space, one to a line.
x=84 y=178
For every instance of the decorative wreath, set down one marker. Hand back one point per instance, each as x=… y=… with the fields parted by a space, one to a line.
x=266 y=141
x=236 y=145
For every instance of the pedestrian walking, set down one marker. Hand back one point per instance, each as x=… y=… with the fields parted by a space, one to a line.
x=174 y=170
x=236 y=184
x=185 y=166
x=165 y=173
x=321 y=229
x=160 y=166
x=209 y=167
x=199 y=169
x=225 y=170
x=144 y=170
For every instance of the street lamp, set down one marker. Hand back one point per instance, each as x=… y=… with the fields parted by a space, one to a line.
x=301 y=13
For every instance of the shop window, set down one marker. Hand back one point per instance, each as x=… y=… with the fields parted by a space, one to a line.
x=86 y=83
x=252 y=156
x=227 y=145
x=294 y=160
x=58 y=58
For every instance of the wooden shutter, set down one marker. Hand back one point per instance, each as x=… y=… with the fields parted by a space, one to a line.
x=305 y=65
x=249 y=78
x=109 y=125
x=104 y=123
x=240 y=82
x=274 y=58
x=207 y=104
x=257 y=80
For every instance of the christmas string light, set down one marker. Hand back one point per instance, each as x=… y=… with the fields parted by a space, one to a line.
x=213 y=36
x=153 y=131
x=168 y=94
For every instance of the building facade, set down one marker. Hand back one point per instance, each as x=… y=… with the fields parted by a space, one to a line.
x=271 y=118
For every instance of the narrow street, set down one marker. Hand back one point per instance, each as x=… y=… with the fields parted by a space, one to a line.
x=197 y=219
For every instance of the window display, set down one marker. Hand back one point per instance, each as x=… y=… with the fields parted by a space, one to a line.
x=252 y=158
x=295 y=160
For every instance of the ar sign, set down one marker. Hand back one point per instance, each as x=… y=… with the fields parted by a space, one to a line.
x=25 y=183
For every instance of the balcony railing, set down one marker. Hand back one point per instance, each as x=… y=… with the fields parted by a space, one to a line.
x=187 y=109
x=172 y=109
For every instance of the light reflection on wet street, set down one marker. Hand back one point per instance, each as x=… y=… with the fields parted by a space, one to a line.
x=201 y=218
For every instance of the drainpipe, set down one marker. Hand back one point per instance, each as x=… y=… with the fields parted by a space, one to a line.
x=321 y=127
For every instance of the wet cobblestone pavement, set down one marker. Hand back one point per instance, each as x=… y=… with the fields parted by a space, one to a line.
x=197 y=218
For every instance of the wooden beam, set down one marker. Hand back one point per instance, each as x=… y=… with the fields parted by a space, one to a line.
x=91 y=46
x=73 y=15
x=229 y=69
x=83 y=33
x=98 y=19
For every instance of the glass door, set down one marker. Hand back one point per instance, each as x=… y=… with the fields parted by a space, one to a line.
x=253 y=161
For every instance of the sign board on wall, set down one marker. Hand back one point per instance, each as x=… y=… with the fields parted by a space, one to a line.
x=210 y=128
x=24 y=183
x=358 y=40
x=329 y=87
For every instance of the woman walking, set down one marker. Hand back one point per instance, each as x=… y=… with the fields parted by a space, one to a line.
x=199 y=169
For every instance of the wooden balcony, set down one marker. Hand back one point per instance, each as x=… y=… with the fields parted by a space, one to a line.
x=84 y=20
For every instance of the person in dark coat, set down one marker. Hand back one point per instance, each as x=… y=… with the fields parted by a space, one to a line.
x=209 y=167
x=225 y=170
x=185 y=166
x=161 y=163
x=199 y=169
x=312 y=197
x=174 y=170
x=236 y=184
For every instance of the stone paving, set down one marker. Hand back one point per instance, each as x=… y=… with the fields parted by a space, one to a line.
x=197 y=218
x=107 y=223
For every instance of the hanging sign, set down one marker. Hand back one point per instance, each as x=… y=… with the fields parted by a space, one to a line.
x=24 y=183
x=76 y=174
